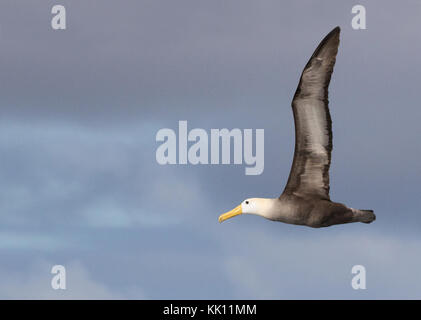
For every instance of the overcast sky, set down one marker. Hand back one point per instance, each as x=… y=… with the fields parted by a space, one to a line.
x=80 y=186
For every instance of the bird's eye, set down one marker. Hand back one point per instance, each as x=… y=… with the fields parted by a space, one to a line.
x=247 y=202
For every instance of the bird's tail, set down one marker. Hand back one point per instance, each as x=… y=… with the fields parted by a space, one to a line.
x=369 y=216
x=365 y=216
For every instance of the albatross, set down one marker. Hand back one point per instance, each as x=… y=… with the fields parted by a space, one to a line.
x=305 y=199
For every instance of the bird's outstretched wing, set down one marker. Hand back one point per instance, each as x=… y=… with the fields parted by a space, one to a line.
x=309 y=176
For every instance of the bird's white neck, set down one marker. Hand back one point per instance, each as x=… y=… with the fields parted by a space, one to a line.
x=263 y=207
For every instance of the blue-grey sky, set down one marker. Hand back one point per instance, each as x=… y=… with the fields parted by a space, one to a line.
x=80 y=186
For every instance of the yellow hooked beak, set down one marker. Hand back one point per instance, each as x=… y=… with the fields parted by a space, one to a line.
x=234 y=212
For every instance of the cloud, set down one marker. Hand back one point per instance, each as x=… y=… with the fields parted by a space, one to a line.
x=35 y=283
x=277 y=266
x=85 y=176
x=29 y=241
x=80 y=110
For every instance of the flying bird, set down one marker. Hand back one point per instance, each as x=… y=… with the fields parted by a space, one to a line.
x=305 y=199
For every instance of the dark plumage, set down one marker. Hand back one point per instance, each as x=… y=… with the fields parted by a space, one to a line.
x=305 y=200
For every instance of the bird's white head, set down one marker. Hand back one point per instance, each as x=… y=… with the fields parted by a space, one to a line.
x=258 y=206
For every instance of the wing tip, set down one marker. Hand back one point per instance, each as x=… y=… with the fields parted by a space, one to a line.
x=327 y=48
x=337 y=29
x=335 y=32
x=332 y=38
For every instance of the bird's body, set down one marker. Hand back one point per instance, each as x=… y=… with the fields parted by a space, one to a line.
x=316 y=213
x=306 y=200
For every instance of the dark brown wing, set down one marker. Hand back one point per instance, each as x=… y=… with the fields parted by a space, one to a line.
x=309 y=176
